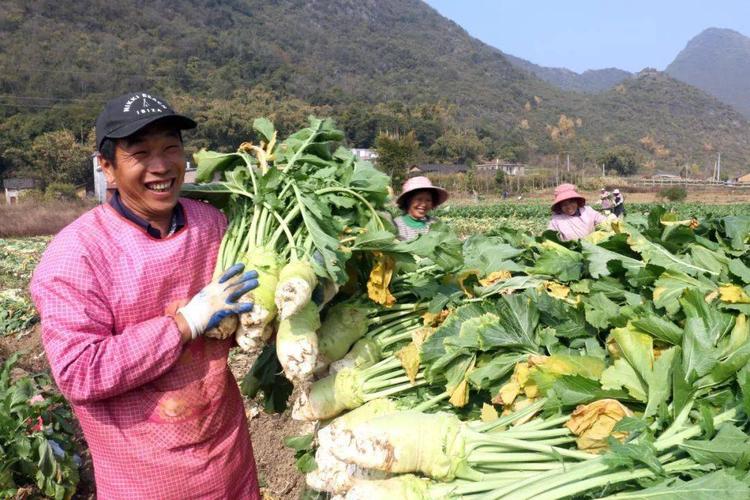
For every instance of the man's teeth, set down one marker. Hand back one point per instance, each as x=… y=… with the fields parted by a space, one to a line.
x=159 y=186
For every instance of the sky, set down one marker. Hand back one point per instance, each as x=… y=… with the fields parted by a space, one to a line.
x=591 y=34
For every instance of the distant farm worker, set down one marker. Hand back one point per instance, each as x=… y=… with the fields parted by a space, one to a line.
x=571 y=217
x=605 y=199
x=418 y=197
x=126 y=296
x=619 y=203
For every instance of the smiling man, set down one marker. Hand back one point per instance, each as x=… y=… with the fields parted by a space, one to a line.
x=128 y=305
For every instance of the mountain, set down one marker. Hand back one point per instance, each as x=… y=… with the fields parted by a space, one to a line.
x=373 y=65
x=717 y=61
x=590 y=81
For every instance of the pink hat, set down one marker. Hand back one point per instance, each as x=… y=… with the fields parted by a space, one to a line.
x=417 y=184
x=567 y=192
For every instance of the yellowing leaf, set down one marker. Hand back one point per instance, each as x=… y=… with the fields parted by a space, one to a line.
x=594 y=423
x=733 y=294
x=495 y=277
x=463 y=276
x=460 y=395
x=507 y=393
x=435 y=319
x=659 y=291
x=419 y=336
x=380 y=280
x=409 y=357
x=489 y=413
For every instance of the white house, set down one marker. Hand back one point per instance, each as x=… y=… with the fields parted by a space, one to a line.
x=364 y=154
x=14 y=188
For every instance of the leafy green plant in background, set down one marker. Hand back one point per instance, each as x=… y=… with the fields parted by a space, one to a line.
x=36 y=437
x=673 y=193
x=17 y=314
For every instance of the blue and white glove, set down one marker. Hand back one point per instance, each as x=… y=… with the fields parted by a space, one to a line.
x=218 y=300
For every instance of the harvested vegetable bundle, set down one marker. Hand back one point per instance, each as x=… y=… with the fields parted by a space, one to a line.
x=289 y=203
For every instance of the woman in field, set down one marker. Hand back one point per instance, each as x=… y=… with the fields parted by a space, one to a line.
x=571 y=217
x=416 y=200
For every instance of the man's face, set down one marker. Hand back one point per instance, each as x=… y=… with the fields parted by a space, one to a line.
x=420 y=204
x=148 y=171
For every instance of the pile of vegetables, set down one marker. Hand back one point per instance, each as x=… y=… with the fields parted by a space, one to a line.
x=511 y=366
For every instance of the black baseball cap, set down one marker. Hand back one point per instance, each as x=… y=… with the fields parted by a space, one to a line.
x=127 y=114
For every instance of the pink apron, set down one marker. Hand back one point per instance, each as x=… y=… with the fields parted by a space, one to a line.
x=161 y=421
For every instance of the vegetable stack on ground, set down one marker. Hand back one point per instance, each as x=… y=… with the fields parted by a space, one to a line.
x=614 y=366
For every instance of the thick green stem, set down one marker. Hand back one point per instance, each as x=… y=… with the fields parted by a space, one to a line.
x=613 y=478
x=422 y=407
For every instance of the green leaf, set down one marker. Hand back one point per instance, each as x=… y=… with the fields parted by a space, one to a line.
x=46 y=463
x=306 y=463
x=715 y=485
x=488 y=254
x=658 y=327
x=559 y=262
x=658 y=388
x=737 y=229
x=210 y=162
x=299 y=443
x=714 y=261
x=264 y=127
x=600 y=311
x=572 y=390
x=599 y=257
x=622 y=375
x=633 y=453
x=653 y=253
x=638 y=350
x=631 y=424
x=670 y=286
x=743 y=379
x=739 y=269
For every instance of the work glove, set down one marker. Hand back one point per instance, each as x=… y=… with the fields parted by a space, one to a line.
x=218 y=299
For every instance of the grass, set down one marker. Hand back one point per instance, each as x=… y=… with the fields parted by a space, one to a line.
x=39 y=218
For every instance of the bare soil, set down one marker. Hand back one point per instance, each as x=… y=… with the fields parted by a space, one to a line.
x=278 y=477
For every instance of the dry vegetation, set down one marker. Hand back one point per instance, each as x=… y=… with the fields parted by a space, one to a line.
x=34 y=218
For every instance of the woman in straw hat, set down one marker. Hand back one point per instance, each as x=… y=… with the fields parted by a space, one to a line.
x=417 y=199
x=571 y=217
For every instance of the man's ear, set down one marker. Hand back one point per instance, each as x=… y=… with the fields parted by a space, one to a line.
x=108 y=168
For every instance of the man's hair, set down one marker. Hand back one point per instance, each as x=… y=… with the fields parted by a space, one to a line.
x=107 y=149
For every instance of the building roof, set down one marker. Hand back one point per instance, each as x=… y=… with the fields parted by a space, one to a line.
x=19 y=183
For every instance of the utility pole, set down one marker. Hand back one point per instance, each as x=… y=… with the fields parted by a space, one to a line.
x=567 y=161
x=718 y=168
x=603 y=174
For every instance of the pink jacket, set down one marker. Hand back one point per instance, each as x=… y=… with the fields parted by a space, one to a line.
x=576 y=226
x=161 y=421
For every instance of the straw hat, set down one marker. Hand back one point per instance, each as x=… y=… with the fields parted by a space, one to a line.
x=567 y=192
x=417 y=184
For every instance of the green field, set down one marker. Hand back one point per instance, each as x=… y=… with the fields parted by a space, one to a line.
x=489 y=219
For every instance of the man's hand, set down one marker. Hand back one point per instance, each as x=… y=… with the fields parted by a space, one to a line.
x=218 y=300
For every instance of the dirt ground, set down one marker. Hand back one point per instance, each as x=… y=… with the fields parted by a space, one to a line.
x=277 y=474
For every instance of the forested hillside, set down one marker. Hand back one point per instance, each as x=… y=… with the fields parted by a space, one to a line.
x=592 y=80
x=717 y=61
x=374 y=65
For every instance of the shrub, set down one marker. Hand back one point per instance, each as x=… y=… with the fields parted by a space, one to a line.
x=60 y=191
x=673 y=193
